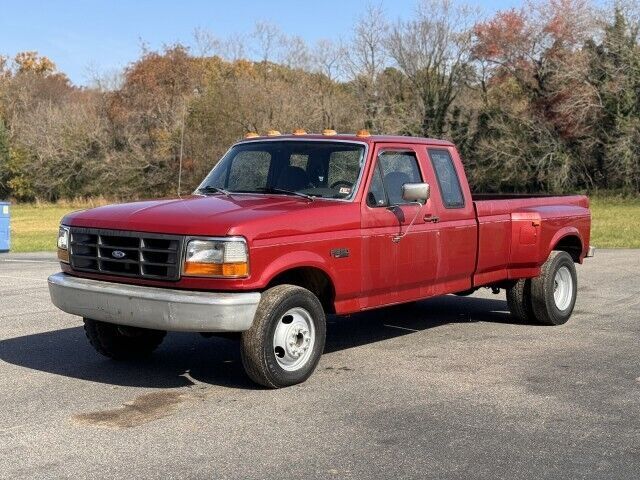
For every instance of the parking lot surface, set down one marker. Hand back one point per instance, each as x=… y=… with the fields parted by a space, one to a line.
x=445 y=388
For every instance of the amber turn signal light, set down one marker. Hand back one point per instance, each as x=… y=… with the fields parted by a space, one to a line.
x=239 y=269
x=63 y=255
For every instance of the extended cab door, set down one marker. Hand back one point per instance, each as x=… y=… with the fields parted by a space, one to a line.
x=451 y=209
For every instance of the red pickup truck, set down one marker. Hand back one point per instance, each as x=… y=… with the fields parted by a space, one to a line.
x=289 y=228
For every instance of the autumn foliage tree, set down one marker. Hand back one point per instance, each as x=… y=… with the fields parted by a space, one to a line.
x=544 y=98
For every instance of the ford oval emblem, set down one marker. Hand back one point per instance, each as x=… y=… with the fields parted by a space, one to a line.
x=118 y=254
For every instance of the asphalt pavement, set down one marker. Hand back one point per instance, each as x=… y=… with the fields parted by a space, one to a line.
x=445 y=388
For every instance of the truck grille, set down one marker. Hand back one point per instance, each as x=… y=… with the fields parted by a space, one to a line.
x=130 y=254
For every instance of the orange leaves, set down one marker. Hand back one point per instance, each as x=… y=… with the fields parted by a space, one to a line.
x=565 y=21
x=540 y=29
x=499 y=36
x=34 y=63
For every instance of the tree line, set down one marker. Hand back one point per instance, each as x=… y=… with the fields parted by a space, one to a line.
x=545 y=98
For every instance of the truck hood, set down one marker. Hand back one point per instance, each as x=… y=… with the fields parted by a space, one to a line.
x=254 y=216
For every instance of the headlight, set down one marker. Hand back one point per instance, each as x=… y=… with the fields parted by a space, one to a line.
x=63 y=244
x=216 y=258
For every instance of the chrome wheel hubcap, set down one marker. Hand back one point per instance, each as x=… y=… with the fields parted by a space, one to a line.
x=563 y=288
x=293 y=339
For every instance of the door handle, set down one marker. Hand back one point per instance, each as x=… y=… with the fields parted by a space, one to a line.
x=430 y=218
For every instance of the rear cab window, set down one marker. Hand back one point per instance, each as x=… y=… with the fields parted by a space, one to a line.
x=447 y=178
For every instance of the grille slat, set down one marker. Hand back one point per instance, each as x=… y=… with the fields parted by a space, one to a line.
x=110 y=247
x=154 y=264
x=118 y=260
x=139 y=254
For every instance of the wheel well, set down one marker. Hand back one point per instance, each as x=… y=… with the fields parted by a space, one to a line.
x=570 y=244
x=311 y=278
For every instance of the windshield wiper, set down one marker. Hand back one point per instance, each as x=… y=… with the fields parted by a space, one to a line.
x=212 y=189
x=285 y=192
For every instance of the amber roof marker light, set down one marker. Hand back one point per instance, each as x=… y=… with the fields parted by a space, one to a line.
x=251 y=135
x=363 y=133
x=273 y=133
x=328 y=131
x=299 y=131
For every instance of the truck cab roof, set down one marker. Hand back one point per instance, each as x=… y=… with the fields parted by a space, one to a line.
x=368 y=139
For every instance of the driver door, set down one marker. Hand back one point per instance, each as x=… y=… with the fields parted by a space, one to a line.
x=391 y=267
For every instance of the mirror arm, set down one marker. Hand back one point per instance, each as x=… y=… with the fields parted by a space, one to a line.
x=399 y=237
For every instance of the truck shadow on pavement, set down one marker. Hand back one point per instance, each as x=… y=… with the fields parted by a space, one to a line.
x=185 y=359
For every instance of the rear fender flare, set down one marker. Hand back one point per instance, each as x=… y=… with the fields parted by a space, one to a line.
x=559 y=235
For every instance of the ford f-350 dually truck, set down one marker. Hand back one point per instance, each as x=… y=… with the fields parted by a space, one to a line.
x=289 y=228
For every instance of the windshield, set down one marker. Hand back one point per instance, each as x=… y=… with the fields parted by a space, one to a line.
x=318 y=169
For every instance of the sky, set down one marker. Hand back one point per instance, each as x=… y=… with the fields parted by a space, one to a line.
x=90 y=36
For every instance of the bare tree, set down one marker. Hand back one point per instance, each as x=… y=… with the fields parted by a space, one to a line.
x=232 y=48
x=366 y=58
x=433 y=51
x=327 y=58
x=206 y=43
x=268 y=40
x=295 y=53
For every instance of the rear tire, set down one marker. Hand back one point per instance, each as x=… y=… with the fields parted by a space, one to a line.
x=121 y=342
x=553 y=293
x=519 y=300
x=285 y=341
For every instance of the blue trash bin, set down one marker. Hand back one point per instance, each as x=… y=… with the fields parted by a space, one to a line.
x=5 y=228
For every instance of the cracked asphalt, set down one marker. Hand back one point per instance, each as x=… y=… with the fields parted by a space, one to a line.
x=445 y=388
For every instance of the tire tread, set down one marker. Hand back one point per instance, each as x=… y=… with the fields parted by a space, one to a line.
x=519 y=301
x=107 y=341
x=253 y=352
x=542 y=296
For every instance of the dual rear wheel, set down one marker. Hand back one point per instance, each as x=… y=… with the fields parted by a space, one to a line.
x=549 y=298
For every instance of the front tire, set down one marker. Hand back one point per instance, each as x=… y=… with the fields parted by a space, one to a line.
x=285 y=341
x=553 y=293
x=121 y=342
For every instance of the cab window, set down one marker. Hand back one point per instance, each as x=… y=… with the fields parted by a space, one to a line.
x=377 y=196
x=447 y=178
x=393 y=170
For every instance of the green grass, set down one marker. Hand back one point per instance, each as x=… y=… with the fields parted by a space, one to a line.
x=34 y=227
x=616 y=223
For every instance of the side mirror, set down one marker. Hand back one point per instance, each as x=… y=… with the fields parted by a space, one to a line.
x=416 y=192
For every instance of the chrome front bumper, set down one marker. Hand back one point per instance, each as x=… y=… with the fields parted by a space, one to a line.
x=150 y=307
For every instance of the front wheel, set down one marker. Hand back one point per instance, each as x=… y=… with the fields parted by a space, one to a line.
x=120 y=342
x=285 y=341
x=553 y=293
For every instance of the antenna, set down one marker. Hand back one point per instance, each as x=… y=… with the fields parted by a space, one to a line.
x=196 y=92
x=184 y=116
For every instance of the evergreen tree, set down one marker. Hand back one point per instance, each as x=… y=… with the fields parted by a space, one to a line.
x=616 y=75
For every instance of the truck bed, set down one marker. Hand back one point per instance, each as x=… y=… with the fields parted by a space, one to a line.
x=517 y=232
